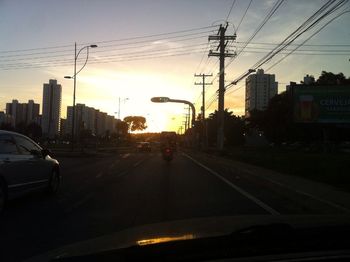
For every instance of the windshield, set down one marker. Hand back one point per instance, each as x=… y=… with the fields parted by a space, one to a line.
x=151 y=112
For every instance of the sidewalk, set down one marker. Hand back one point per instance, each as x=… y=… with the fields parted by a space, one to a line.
x=316 y=190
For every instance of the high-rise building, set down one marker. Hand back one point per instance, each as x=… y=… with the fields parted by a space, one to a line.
x=101 y=123
x=32 y=113
x=260 y=88
x=84 y=119
x=63 y=126
x=51 y=115
x=5 y=118
x=25 y=113
x=15 y=110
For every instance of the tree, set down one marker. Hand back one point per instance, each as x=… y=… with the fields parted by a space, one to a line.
x=6 y=126
x=136 y=123
x=21 y=127
x=278 y=118
x=34 y=130
x=329 y=78
x=234 y=128
x=122 y=127
x=256 y=119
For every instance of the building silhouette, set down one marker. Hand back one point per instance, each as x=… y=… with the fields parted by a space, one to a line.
x=260 y=88
x=89 y=118
x=24 y=113
x=51 y=115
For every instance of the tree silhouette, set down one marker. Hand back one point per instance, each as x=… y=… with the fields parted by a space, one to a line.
x=34 y=130
x=6 y=126
x=329 y=78
x=234 y=128
x=136 y=123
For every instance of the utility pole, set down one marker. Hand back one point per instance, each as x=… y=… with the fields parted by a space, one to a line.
x=223 y=41
x=189 y=118
x=204 y=130
x=203 y=91
x=186 y=120
x=185 y=124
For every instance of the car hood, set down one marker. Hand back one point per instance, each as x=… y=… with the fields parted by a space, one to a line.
x=186 y=230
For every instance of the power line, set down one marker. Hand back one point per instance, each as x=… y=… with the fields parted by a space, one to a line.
x=128 y=44
x=265 y=20
x=229 y=13
x=97 y=61
x=325 y=10
x=193 y=46
x=320 y=45
x=109 y=41
x=156 y=35
x=273 y=10
x=297 y=33
x=293 y=51
x=243 y=16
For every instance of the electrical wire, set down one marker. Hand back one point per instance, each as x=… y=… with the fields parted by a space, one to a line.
x=293 y=51
x=229 y=13
x=128 y=44
x=97 y=61
x=313 y=20
x=243 y=16
x=109 y=41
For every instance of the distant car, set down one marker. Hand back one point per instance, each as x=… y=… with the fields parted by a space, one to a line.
x=144 y=147
x=25 y=167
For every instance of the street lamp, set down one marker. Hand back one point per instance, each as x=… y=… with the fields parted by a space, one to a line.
x=76 y=55
x=124 y=100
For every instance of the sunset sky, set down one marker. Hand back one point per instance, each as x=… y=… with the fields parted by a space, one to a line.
x=152 y=48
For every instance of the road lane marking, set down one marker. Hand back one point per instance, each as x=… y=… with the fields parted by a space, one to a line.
x=78 y=203
x=125 y=155
x=123 y=173
x=240 y=190
x=99 y=175
x=330 y=203
x=138 y=163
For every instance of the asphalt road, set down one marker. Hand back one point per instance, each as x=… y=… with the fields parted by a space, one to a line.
x=101 y=195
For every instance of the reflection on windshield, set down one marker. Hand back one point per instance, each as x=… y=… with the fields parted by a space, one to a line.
x=158 y=240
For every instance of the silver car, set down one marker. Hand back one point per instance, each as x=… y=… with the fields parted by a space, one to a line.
x=24 y=167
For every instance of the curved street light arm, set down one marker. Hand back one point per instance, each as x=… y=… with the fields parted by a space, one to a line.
x=87 y=57
x=187 y=103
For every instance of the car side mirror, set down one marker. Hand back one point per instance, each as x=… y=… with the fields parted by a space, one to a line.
x=45 y=152
x=35 y=152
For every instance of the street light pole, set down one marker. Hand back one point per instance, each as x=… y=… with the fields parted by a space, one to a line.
x=76 y=55
x=74 y=88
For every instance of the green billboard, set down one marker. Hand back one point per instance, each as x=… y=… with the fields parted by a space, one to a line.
x=321 y=104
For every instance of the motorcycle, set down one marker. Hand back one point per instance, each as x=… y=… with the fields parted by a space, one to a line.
x=167 y=154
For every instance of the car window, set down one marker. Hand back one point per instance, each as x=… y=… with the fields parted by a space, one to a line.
x=7 y=145
x=25 y=145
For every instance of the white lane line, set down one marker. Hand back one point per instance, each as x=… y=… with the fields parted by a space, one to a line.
x=330 y=203
x=240 y=190
x=78 y=203
x=138 y=163
x=126 y=155
x=99 y=175
x=123 y=173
